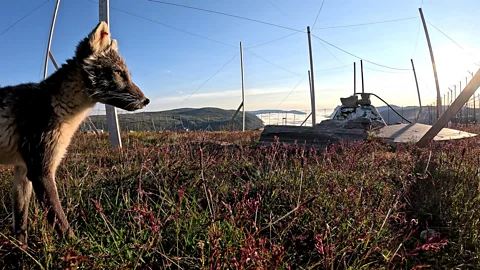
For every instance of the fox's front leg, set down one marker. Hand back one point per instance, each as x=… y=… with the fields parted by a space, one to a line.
x=43 y=181
x=22 y=192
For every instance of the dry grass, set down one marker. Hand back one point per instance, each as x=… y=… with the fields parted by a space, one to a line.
x=182 y=200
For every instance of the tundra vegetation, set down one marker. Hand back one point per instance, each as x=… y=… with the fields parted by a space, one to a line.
x=219 y=200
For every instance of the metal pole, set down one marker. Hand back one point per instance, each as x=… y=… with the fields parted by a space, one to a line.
x=310 y=83
x=310 y=87
x=455 y=96
x=451 y=96
x=466 y=113
x=418 y=91
x=361 y=71
x=50 y=39
x=312 y=100
x=235 y=115
x=478 y=98
x=443 y=106
x=429 y=114
x=474 y=110
x=306 y=119
x=314 y=118
x=153 y=124
x=461 y=109
x=92 y=125
x=354 y=78
x=432 y=120
x=439 y=99
x=243 y=87
x=111 y=112
x=50 y=55
x=447 y=116
x=388 y=116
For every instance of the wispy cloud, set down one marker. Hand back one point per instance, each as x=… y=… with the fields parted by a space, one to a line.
x=220 y=94
x=256 y=98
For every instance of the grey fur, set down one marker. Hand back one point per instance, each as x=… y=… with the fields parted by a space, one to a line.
x=38 y=120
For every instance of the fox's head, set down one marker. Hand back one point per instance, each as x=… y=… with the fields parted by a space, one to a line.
x=107 y=77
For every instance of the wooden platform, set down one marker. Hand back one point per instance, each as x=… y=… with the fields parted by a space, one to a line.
x=324 y=135
x=311 y=136
x=411 y=133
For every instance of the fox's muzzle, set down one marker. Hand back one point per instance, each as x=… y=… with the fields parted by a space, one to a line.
x=130 y=99
x=137 y=99
x=142 y=99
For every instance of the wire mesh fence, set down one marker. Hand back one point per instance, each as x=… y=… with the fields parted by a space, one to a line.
x=197 y=120
x=467 y=115
x=205 y=121
x=293 y=117
x=160 y=121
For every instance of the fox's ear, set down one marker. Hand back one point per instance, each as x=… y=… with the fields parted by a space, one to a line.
x=114 y=45
x=99 y=38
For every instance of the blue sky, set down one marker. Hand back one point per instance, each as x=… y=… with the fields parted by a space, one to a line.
x=168 y=65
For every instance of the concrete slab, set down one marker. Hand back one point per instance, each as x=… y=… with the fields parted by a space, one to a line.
x=408 y=133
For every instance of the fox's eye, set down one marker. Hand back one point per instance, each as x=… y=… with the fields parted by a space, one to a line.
x=118 y=72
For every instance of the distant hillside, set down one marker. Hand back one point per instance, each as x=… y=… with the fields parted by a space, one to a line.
x=276 y=111
x=397 y=108
x=180 y=119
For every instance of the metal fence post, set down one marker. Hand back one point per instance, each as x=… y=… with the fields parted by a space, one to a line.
x=112 y=117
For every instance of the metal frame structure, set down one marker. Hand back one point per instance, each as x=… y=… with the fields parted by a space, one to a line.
x=418 y=91
x=312 y=78
x=434 y=66
x=243 y=87
x=111 y=111
x=49 y=54
x=242 y=105
x=456 y=106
